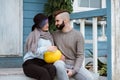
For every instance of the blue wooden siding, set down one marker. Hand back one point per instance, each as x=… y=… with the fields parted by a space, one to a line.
x=30 y=9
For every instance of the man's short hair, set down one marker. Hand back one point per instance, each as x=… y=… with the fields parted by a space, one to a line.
x=58 y=12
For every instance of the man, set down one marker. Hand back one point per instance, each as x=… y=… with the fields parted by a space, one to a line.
x=71 y=43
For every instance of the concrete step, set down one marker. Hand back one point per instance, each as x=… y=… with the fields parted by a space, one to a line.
x=14 y=74
x=17 y=74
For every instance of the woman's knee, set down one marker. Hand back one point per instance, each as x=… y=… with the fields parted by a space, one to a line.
x=59 y=64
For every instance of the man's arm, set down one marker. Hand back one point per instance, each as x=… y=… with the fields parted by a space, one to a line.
x=80 y=53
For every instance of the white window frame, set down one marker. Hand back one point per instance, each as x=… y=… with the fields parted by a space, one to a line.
x=76 y=7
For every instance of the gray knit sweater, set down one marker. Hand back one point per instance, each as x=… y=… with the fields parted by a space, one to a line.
x=71 y=45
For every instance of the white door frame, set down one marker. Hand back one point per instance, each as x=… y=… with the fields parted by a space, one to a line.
x=11 y=28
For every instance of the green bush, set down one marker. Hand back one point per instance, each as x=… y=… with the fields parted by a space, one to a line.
x=102 y=67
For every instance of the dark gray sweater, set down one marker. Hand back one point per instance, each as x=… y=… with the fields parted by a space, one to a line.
x=71 y=45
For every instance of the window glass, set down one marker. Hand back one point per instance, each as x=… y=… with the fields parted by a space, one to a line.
x=83 y=3
x=90 y=3
x=95 y=3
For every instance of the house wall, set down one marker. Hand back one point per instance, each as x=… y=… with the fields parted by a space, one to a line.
x=30 y=9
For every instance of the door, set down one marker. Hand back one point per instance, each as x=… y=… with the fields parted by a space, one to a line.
x=11 y=28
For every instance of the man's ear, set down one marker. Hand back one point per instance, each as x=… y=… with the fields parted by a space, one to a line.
x=65 y=20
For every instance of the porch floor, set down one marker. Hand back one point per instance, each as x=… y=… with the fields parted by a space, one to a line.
x=17 y=74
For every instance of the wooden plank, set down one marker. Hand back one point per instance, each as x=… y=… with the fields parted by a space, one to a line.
x=35 y=1
x=95 y=45
x=27 y=30
x=87 y=14
x=28 y=22
x=33 y=6
x=30 y=14
x=115 y=39
x=101 y=45
x=11 y=62
x=109 y=65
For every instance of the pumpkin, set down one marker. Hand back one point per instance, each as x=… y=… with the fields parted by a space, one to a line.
x=51 y=57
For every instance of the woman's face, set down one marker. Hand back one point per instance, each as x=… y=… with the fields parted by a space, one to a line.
x=45 y=27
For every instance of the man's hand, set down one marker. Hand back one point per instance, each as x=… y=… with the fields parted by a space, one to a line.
x=52 y=48
x=69 y=72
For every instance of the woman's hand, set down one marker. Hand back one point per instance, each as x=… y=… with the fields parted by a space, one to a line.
x=62 y=57
x=52 y=48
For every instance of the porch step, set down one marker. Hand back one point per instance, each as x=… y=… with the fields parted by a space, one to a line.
x=14 y=74
x=17 y=74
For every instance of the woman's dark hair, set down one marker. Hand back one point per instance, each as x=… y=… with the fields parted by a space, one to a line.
x=38 y=20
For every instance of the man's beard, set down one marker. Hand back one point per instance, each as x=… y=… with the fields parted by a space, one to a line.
x=61 y=26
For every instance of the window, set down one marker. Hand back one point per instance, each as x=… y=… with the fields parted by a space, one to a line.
x=89 y=3
x=85 y=5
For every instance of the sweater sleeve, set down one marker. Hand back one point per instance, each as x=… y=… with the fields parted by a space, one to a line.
x=42 y=47
x=40 y=52
x=79 y=54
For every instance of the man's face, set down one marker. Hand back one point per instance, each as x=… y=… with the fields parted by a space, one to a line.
x=59 y=22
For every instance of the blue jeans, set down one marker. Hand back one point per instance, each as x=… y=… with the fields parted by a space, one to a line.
x=61 y=70
x=83 y=73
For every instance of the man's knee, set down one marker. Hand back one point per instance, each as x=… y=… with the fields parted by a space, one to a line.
x=83 y=77
x=84 y=74
x=90 y=77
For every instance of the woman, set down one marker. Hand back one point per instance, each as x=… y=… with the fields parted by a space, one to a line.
x=39 y=41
